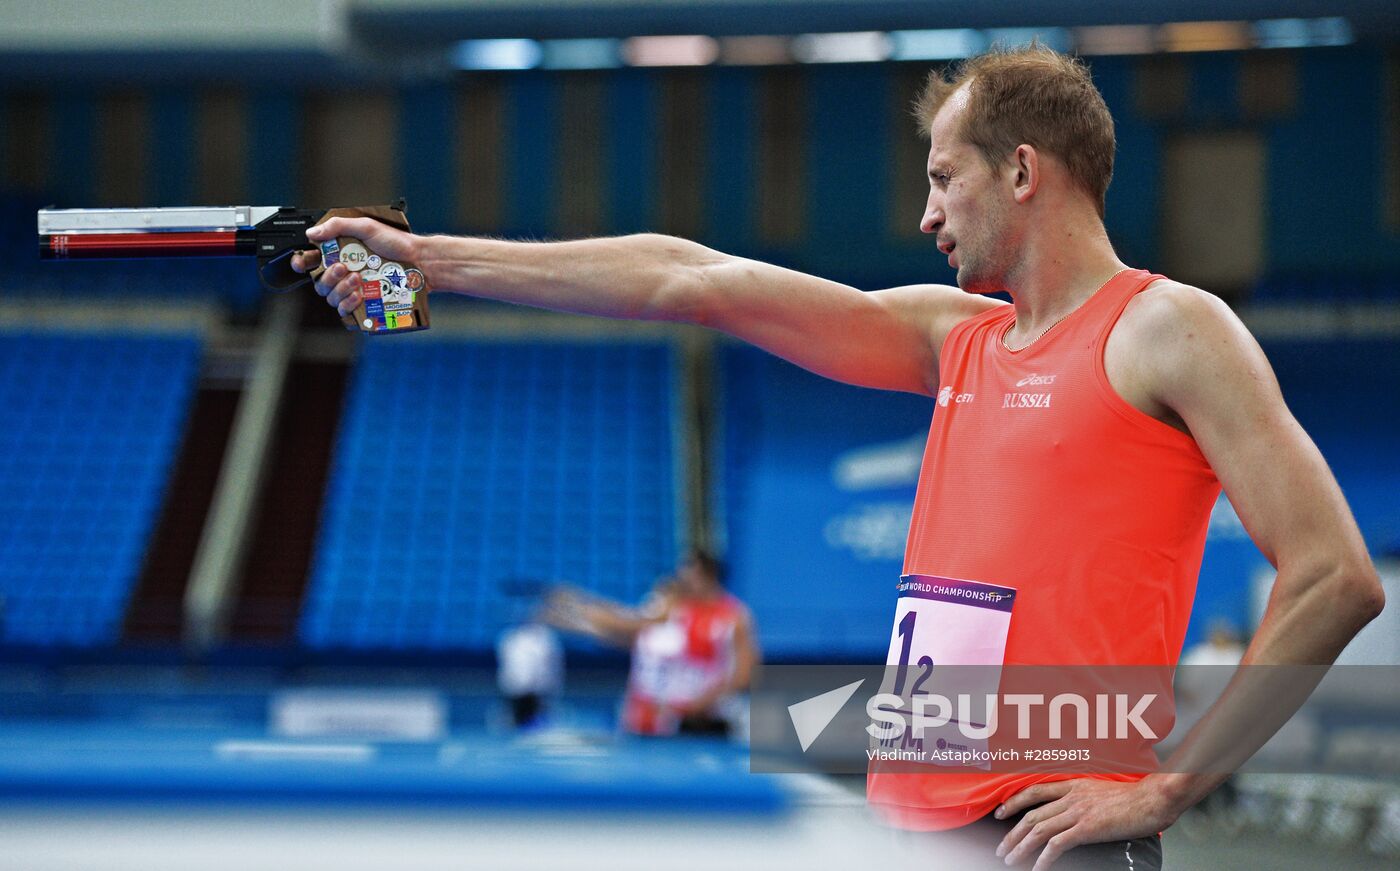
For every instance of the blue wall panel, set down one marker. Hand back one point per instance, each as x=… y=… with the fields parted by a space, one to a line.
x=529 y=163
x=273 y=138
x=631 y=162
x=816 y=530
x=1134 y=194
x=171 y=169
x=847 y=155
x=1326 y=196
x=72 y=171
x=427 y=144
x=731 y=172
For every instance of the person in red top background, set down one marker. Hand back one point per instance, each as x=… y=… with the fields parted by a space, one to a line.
x=693 y=648
x=1021 y=151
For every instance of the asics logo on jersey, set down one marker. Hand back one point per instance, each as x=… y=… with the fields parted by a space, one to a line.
x=1035 y=380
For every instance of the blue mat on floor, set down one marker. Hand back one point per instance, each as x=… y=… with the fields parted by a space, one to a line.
x=84 y=761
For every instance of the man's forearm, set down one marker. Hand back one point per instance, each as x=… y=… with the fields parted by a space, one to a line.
x=1309 y=621
x=643 y=277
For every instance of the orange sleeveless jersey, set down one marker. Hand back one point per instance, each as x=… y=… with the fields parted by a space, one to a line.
x=1038 y=475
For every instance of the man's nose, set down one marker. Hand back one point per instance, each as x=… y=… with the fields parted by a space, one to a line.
x=933 y=220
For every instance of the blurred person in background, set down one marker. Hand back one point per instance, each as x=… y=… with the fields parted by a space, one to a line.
x=529 y=670
x=692 y=649
x=1204 y=672
x=1080 y=438
x=1223 y=646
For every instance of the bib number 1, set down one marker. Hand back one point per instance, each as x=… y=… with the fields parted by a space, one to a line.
x=925 y=664
x=941 y=623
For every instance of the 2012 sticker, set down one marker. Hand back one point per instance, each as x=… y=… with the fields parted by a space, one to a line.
x=354 y=256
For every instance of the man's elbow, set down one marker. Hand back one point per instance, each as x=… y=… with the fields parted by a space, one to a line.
x=680 y=291
x=1360 y=586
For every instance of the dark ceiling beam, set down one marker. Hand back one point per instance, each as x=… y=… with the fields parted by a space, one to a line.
x=546 y=20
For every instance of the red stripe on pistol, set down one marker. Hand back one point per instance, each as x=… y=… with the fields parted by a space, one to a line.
x=139 y=244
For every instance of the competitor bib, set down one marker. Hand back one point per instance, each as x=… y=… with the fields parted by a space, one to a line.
x=939 y=623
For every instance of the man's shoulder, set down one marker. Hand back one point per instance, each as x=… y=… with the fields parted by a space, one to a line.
x=938 y=308
x=967 y=306
x=944 y=298
x=1169 y=317
x=1174 y=338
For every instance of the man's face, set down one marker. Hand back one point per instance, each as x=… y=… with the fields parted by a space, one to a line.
x=692 y=579
x=966 y=209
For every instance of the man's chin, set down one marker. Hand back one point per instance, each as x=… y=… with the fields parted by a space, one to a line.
x=971 y=282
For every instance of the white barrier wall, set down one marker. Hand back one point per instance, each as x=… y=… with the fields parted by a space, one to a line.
x=107 y=25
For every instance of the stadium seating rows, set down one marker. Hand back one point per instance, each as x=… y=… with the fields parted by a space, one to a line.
x=88 y=427
x=466 y=475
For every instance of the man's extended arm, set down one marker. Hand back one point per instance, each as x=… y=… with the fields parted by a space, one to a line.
x=1191 y=355
x=604 y=620
x=886 y=339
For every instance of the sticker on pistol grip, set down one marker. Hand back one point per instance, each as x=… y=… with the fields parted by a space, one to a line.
x=374 y=311
x=396 y=290
x=330 y=253
x=354 y=256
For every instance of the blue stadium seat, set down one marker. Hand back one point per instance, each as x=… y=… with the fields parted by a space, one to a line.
x=502 y=461
x=90 y=425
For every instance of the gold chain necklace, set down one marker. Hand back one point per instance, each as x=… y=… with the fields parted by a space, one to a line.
x=1057 y=320
x=1037 y=336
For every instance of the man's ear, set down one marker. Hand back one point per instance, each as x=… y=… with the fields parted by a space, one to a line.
x=1025 y=170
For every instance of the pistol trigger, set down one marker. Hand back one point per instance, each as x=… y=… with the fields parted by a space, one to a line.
x=277 y=274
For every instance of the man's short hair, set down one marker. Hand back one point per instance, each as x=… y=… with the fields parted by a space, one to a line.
x=708 y=562
x=1033 y=96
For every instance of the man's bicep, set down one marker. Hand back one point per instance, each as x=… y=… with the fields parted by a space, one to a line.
x=934 y=309
x=886 y=339
x=1275 y=477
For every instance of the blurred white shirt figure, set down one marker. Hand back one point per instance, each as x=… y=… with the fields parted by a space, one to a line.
x=1222 y=647
x=1201 y=677
x=529 y=671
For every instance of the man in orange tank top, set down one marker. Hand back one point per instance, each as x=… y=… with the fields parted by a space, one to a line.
x=1079 y=437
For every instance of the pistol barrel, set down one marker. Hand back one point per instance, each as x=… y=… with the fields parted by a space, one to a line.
x=196 y=231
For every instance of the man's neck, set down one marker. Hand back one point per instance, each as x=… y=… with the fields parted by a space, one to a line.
x=1057 y=272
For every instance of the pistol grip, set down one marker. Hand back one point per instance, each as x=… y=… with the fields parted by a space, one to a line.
x=396 y=294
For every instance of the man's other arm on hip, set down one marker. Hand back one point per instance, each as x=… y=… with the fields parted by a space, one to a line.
x=1206 y=368
x=1180 y=355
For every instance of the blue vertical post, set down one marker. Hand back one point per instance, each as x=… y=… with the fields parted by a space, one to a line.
x=171 y=156
x=426 y=148
x=731 y=175
x=71 y=174
x=632 y=150
x=274 y=148
x=529 y=165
